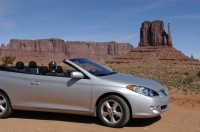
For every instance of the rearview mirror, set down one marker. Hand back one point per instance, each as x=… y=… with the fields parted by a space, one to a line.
x=76 y=74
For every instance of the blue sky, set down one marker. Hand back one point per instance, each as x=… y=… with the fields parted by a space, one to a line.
x=100 y=20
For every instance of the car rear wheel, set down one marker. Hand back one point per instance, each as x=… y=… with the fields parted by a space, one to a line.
x=5 y=107
x=113 y=111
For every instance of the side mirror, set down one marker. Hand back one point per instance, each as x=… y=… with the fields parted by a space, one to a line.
x=76 y=74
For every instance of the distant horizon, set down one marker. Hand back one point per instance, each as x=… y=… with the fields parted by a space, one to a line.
x=91 y=42
x=64 y=40
x=100 y=21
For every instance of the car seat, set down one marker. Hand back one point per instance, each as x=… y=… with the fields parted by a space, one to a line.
x=32 y=67
x=20 y=67
x=43 y=70
x=59 y=71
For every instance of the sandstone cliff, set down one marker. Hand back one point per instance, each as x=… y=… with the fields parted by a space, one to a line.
x=58 y=49
x=40 y=45
x=153 y=34
x=96 y=48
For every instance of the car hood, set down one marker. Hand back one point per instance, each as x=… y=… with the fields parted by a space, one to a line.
x=133 y=80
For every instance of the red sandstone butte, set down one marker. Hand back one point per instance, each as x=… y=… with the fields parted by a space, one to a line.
x=155 y=47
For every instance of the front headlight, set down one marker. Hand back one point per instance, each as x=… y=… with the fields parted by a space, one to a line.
x=143 y=90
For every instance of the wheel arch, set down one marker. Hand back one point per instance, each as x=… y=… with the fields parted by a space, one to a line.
x=113 y=93
x=5 y=95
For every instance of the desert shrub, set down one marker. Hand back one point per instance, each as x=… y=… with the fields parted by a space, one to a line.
x=8 y=59
x=185 y=90
x=198 y=74
x=186 y=73
x=176 y=72
x=188 y=79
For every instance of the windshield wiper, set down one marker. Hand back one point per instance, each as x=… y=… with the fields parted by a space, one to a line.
x=107 y=74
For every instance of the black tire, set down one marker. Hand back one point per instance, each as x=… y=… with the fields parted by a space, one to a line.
x=5 y=106
x=113 y=111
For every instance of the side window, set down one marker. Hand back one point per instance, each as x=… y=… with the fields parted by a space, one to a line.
x=68 y=69
x=87 y=66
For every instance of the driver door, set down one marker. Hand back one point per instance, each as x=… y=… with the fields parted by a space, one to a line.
x=60 y=93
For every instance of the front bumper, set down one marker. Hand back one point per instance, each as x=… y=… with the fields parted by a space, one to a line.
x=146 y=107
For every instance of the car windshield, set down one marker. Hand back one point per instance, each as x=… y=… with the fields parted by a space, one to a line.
x=92 y=67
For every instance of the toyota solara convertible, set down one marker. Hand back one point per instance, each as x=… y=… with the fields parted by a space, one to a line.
x=80 y=86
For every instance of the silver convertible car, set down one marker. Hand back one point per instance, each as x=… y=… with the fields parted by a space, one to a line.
x=82 y=87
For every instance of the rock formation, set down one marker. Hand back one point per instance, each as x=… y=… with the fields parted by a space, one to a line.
x=41 y=45
x=97 y=48
x=155 y=55
x=153 y=34
x=58 y=49
x=169 y=40
x=155 y=47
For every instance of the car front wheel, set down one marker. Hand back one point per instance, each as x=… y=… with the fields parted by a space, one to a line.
x=5 y=107
x=113 y=111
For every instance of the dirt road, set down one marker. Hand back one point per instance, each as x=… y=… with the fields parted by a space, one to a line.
x=183 y=116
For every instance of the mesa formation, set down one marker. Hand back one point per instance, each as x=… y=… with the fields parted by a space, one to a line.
x=155 y=46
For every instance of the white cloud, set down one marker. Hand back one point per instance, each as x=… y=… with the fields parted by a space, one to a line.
x=143 y=8
x=196 y=56
x=187 y=17
x=127 y=38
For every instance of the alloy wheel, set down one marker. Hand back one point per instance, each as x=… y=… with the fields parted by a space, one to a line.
x=111 y=111
x=3 y=105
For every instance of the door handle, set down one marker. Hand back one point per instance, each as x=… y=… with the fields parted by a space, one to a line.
x=32 y=83
x=35 y=83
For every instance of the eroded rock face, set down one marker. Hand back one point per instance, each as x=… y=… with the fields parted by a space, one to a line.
x=153 y=34
x=151 y=55
x=58 y=49
x=96 y=48
x=40 y=45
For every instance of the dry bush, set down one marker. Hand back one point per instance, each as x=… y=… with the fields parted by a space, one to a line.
x=8 y=59
x=188 y=79
x=198 y=74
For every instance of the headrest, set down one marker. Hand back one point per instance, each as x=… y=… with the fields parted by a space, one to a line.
x=32 y=64
x=43 y=70
x=19 y=65
x=52 y=64
x=59 y=69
